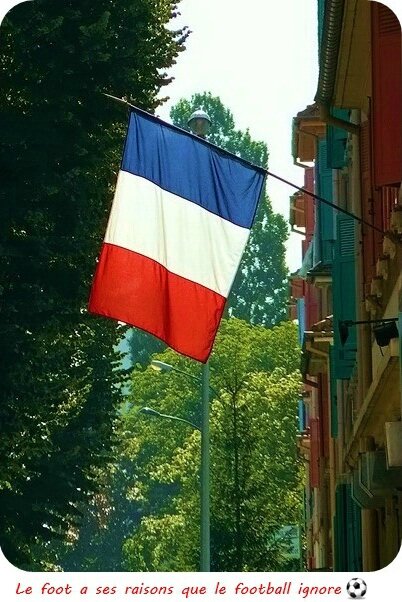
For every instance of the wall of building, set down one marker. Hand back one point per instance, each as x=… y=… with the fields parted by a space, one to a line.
x=353 y=386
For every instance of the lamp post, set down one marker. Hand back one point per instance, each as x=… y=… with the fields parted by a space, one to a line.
x=205 y=562
x=200 y=123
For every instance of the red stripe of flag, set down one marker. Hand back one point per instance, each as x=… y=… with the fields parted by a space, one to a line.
x=183 y=314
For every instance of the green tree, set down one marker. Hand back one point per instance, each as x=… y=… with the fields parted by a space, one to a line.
x=108 y=519
x=255 y=475
x=142 y=345
x=259 y=293
x=59 y=153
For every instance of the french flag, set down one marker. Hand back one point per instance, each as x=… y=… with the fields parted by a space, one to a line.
x=179 y=223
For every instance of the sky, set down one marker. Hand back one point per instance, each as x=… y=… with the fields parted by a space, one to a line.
x=260 y=58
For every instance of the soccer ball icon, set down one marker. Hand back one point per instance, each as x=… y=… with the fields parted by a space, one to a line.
x=356 y=588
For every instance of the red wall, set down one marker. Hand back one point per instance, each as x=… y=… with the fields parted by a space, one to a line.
x=314 y=452
x=387 y=96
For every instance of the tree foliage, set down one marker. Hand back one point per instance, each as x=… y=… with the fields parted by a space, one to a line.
x=109 y=518
x=59 y=154
x=255 y=475
x=259 y=293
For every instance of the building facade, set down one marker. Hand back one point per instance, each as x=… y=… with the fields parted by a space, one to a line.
x=347 y=294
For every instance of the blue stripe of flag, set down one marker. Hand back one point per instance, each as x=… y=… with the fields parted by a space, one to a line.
x=192 y=169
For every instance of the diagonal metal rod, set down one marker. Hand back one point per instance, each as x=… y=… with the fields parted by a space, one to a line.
x=266 y=172
x=380 y=321
x=322 y=200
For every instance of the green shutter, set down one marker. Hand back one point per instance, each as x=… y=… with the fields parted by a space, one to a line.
x=340 y=542
x=347 y=531
x=336 y=138
x=324 y=226
x=354 y=533
x=344 y=295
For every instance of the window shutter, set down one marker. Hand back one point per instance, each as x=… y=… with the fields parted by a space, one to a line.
x=314 y=452
x=387 y=96
x=301 y=318
x=324 y=226
x=354 y=532
x=333 y=392
x=324 y=415
x=336 y=139
x=311 y=305
x=296 y=288
x=340 y=530
x=344 y=295
x=347 y=531
x=302 y=414
x=309 y=207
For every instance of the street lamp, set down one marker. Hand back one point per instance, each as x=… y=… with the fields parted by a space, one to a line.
x=199 y=123
x=384 y=330
x=160 y=366
x=152 y=412
x=205 y=562
x=163 y=367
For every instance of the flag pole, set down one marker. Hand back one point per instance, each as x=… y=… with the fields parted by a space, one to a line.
x=205 y=563
x=266 y=172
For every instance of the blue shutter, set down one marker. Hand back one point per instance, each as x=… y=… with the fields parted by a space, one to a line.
x=301 y=318
x=344 y=295
x=301 y=410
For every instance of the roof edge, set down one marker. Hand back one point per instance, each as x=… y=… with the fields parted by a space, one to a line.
x=328 y=59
